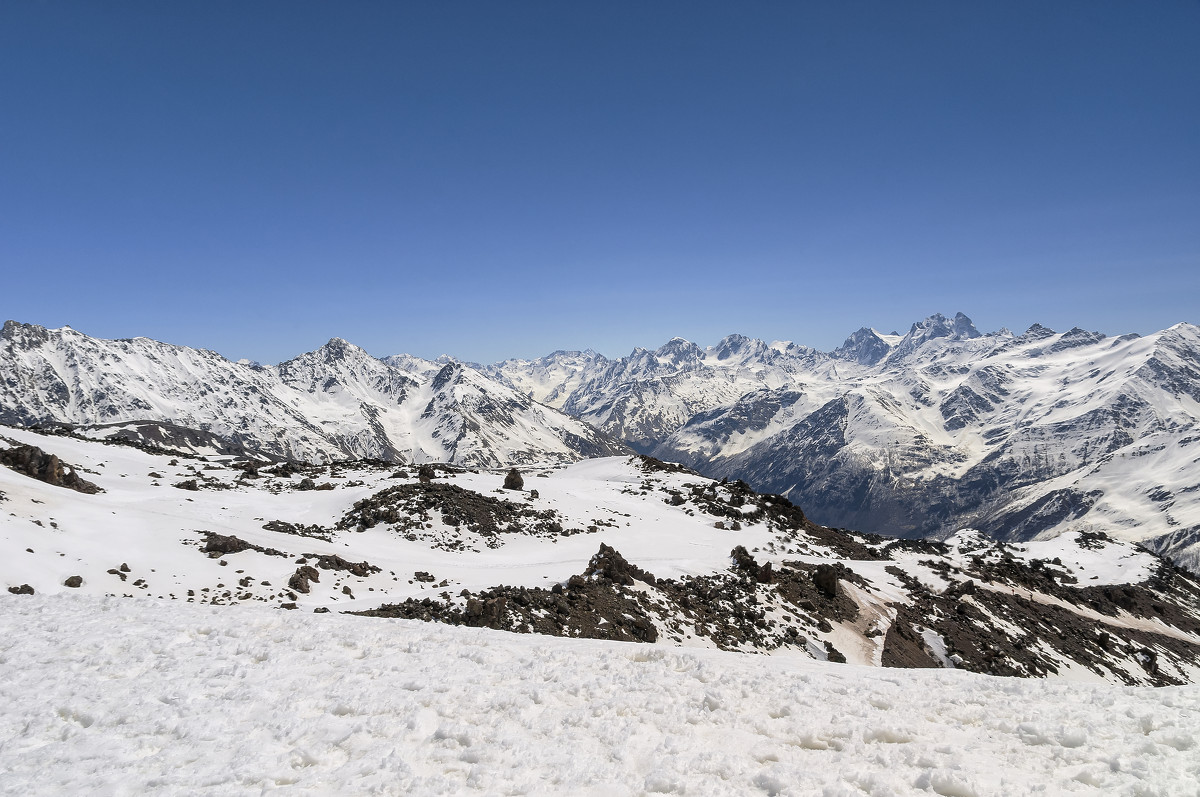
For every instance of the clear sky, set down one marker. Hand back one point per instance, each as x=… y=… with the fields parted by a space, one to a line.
x=495 y=179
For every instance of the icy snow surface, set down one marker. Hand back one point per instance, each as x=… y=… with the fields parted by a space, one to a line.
x=111 y=696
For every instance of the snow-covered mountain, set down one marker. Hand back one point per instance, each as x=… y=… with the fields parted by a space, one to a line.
x=332 y=403
x=915 y=435
x=932 y=431
x=618 y=548
x=646 y=396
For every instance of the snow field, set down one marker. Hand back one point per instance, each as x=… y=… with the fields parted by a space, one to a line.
x=113 y=697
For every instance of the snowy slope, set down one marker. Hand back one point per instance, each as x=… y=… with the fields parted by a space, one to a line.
x=332 y=403
x=110 y=696
x=615 y=548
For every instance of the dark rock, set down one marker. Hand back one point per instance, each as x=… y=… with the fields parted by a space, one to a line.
x=301 y=579
x=188 y=484
x=24 y=589
x=743 y=561
x=609 y=564
x=335 y=562
x=314 y=531
x=826 y=579
x=37 y=464
x=306 y=484
x=74 y=582
x=408 y=508
x=217 y=545
x=513 y=480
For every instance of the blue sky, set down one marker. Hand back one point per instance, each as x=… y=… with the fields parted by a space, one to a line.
x=504 y=179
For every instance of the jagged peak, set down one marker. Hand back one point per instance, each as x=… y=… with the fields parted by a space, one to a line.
x=1036 y=332
x=864 y=346
x=28 y=333
x=938 y=326
x=342 y=347
x=1080 y=332
x=451 y=372
x=677 y=350
x=736 y=344
x=678 y=344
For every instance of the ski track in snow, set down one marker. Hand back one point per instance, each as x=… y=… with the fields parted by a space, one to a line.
x=108 y=696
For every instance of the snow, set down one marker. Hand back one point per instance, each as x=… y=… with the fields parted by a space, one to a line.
x=108 y=695
x=111 y=696
x=141 y=521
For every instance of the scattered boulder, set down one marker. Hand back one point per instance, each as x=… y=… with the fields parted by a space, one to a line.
x=487 y=613
x=37 y=464
x=335 y=562
x=826 y=579
x=217 y=545
x=425 y=474
x=513 y=480
x=24 y=589
x=744 y=561
x=608 y=563
x=304 y=575
x=187 y=484
x=300 y=530
x=74 y=582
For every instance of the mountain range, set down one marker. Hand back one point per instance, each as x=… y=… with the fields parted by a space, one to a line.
x=336 y=402
x=922 y=434
x=917 y=435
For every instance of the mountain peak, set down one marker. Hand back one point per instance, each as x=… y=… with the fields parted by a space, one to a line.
x=28 y=334
x=679 y=350
x=938 y=326
x=732 y=345
x=450 y=372
x=339 y=349
x=864 y=347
